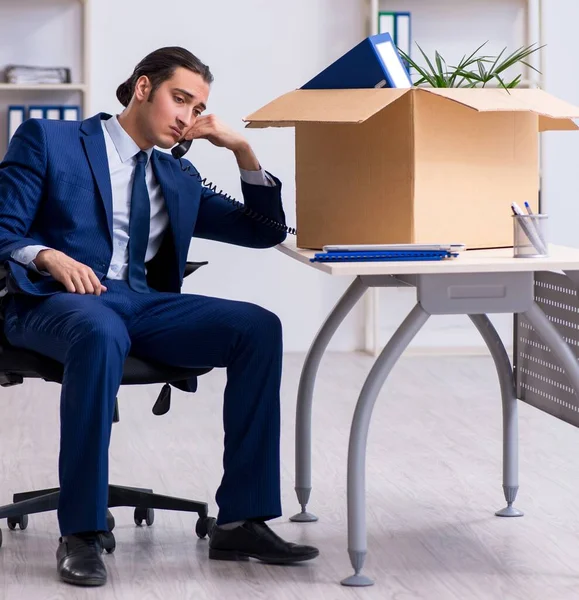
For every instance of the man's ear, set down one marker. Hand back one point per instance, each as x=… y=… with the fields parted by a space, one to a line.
x=142 y=88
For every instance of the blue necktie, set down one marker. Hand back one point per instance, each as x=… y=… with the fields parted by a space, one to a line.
x=139 y=222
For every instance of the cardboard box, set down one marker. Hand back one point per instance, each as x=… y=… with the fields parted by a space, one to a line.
x=414 y=165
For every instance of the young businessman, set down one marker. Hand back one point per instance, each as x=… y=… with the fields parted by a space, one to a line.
x=94 y=229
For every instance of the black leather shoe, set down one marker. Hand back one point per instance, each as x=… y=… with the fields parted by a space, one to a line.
x=79 y=560
x=256 y=540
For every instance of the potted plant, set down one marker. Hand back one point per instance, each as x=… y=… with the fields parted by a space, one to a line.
x=472 y=71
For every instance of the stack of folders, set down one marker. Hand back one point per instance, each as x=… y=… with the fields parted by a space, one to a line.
x=25 y=74
x=388 y=252
x=18 y=114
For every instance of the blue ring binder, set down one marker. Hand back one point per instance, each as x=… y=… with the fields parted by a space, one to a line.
x=377 y=256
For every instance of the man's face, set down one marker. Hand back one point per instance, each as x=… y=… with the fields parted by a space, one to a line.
x=175 y=106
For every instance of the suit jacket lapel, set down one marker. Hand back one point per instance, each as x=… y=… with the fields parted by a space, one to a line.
x=166 y=180
x=95 y=148
x=94 y=144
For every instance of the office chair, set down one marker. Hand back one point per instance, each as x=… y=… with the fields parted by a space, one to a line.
x=17 y=364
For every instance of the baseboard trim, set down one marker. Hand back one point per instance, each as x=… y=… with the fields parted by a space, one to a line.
x=447 y=351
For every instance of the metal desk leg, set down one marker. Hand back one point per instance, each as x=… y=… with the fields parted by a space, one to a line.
x=357 y=544
x=510 y=413
x=306 y=392
x=553 y=339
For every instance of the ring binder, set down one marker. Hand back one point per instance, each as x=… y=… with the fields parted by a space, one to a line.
x=398 y=25
x=392 y=256
x=16 y=115
x=374 y=62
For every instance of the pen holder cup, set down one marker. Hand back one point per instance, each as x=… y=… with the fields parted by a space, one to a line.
x=529 y=236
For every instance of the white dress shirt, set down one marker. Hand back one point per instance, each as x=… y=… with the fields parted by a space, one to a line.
x=122 y=158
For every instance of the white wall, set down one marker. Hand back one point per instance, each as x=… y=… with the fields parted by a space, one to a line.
x=453 y=28
x=257 y=50
x=561 y=149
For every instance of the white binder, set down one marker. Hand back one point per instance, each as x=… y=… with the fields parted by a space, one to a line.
x=398 y=25
x=15 y=119
x=53 y=113
x=70 y=113
x=36 y=112
x=403 y=32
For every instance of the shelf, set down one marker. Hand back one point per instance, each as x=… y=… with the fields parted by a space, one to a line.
x=494 y=85
x=44 y=87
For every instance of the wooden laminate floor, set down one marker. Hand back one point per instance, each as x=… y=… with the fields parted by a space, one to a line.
x=433 y=484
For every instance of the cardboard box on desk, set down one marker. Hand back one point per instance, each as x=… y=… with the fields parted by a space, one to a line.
x=414 y=165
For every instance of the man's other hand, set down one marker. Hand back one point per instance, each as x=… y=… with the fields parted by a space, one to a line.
x=76 y=277
x=210 y=128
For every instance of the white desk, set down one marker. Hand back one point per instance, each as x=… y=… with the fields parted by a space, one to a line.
x=477 y=283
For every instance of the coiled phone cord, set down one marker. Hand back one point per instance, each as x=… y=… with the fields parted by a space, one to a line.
x=246 y=210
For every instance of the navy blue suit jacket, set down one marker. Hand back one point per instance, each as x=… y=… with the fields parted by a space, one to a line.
x=55 y=190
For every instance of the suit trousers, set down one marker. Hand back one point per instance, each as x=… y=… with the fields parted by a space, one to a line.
x=92 y=337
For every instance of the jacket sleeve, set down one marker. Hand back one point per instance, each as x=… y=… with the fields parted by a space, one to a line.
x=26 y=256
x=22 y=179
x=256 y=224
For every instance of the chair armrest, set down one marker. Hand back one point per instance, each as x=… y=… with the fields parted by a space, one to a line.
x=191 y=267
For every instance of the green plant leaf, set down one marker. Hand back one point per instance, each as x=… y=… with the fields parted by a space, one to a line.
x=430 y=65
x=494 y=65
x=466 y=62
x=502 y=83
x=472 y=70
x=424 y=76
x=482 y=71
x=441 y=72
x=514 y=83
x=516 y=57
x=530 y=66
x=460 y=82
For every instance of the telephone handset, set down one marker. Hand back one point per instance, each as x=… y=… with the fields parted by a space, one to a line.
x=182 y=148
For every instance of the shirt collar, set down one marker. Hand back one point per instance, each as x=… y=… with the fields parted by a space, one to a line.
x=125 y=145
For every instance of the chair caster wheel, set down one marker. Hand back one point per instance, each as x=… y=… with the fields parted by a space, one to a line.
x=108 y=542
x=144 y=514
x=204 y=526
x=110 y=520
x=21 y=521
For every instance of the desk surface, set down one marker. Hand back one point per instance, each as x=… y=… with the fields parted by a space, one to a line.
x=561 y=258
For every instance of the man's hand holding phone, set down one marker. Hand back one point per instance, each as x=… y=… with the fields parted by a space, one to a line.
x=75 y=276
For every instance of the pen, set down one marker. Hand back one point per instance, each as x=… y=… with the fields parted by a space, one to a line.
x=529 y=229
x=533 y=225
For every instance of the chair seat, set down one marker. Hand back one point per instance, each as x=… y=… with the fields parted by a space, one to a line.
x=17 y=363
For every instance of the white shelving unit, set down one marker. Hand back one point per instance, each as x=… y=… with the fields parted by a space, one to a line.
x=455 y=27
x=45 y=33
x=43 y=87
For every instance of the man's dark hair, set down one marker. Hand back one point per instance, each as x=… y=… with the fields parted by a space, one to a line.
x=159 y=66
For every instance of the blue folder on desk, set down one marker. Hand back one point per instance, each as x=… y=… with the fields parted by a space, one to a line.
x=378 y=256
